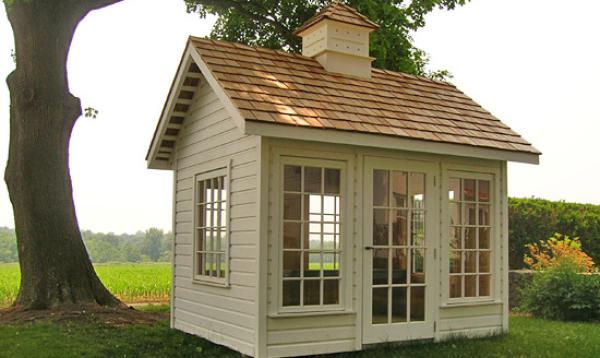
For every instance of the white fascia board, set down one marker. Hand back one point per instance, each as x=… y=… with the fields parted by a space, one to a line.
x=216 y=86
x=168 y=109
x=388 y=142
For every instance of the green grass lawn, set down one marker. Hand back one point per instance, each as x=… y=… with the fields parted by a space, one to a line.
x=528 y=337
x=140 y=282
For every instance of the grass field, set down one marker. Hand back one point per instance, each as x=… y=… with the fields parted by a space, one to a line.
x=529 y=337
x=132 y=283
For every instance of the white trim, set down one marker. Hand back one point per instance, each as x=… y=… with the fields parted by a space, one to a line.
x=504 y=239
x=220 y=171
x=169 y=106
x=383 y=141
x=173 y=249
x=262 y=259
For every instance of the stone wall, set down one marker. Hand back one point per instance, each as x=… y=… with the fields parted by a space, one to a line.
x=516 y=280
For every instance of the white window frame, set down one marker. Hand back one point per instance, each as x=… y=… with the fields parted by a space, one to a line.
x=476 y=173
x=223 y=171
x=345 y=235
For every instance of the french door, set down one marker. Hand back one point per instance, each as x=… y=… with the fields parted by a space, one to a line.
x=398 y=238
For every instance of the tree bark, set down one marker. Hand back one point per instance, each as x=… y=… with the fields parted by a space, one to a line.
x=55 y=267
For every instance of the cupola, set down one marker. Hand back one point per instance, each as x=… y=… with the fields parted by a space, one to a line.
x=338 y=37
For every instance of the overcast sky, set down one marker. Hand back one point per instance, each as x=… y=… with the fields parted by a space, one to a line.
x=534 y=64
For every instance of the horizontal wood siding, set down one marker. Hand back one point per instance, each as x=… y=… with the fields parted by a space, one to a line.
x=470 y=321
x=225 y=315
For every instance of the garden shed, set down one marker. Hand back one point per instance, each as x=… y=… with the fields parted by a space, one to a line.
x=321 y=205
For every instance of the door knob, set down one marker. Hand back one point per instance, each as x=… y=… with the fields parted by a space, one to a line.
x=368 y=247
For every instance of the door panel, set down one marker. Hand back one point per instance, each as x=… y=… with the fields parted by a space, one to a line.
x=398 y=258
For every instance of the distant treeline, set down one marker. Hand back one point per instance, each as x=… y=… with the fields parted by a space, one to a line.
x=153 y=245
x=531 y=220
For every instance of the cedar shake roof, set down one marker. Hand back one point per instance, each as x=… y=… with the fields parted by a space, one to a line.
x=292 y=90
x=338 y=12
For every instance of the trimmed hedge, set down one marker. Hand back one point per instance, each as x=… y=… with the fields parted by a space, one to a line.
x=532 y=220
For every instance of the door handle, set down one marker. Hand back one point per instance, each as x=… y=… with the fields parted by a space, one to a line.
x=368 y=247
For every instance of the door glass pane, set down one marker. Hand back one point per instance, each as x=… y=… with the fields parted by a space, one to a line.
x=470 y=237
x=455 y=241
x=291 y=235
x=380 y=226
x=417 y=304
x=455 y=261
x=470 y=285
x=291 y=264
x=380 y=305
x=380 y=266
x=470 y=261
x=399 y=228
x=484 y=238
x=399 y=304
x=380 y=187
x=399 y=266
x=291 y=293
x=454 y=189
x=312 y=264
x=484 y=190
x=291 y=207
x=455 y=214
x=312 y=180
x=331 y=292
x=416 y=185
x=455 y=286
x=469 y=189
x=484 y=285
x=484 y=261
x=312 y=293
x=484 y=214
x=417 y=228
x=470 y=214
x=332 y=181
x=291 y=178
x=417 y=274
x=331 y=264
x=399 y=190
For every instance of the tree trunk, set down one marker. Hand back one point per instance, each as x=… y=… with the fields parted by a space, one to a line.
x=55 y=267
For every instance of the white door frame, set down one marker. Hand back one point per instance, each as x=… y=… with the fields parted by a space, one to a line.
x=390 y=332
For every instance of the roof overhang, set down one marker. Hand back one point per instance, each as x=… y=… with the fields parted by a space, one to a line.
x=192 y=71
x=388 y=142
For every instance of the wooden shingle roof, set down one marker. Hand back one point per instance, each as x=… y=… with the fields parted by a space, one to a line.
x=292 y=90
x=338 y=12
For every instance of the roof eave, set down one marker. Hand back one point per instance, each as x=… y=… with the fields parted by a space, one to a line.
x=387 y=142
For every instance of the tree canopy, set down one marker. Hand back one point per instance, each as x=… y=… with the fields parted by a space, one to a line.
x=271 y=23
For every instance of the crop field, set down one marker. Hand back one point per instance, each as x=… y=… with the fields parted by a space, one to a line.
x=132 y=283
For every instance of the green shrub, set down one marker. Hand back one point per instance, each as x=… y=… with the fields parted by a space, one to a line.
x=562 y=293
x=531 y=220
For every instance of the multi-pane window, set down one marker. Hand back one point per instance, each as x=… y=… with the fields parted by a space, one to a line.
x=470 y=237
x=210 y=234
x=311 y=236
x=398 y=247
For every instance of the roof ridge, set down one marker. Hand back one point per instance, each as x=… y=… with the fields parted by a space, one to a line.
x=297 y=55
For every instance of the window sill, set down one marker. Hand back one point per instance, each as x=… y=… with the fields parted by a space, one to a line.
x=482 y=302
x=203 y=282
x=311 y=313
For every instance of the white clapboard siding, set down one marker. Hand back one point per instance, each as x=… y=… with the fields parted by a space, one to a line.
x=470 y=321
x=209 y=139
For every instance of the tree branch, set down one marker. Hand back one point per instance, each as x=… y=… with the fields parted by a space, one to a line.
x=241 y=8
x=98 y=4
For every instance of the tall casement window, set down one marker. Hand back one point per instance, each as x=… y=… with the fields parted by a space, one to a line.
x=311 y=242
x=211 y=247
x=470 y=245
